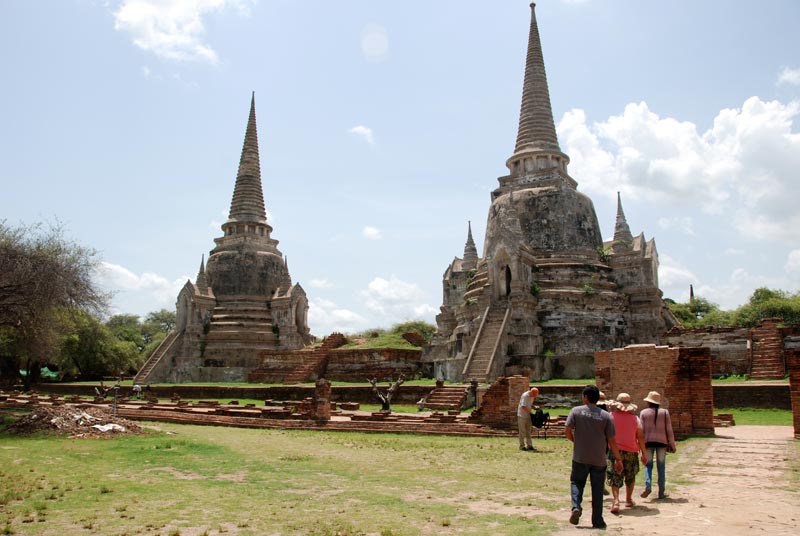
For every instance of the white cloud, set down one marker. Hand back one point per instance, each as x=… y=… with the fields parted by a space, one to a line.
x=684 y=225
x=371 y=233
x=374 y=43
x=734 y=251
x=146 y=72
x=742 y=168
x=172 y=29
x=674 y=279
x=792 y=265
x=789 y=76
x=364 y=132
x=396 y=301
x=130 y=289
x=321 y=283
x=325 y=317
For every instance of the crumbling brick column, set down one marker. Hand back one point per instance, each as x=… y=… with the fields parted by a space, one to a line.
x=793 y=364
x=322 y=397
x=498 y=407
x=681 y=375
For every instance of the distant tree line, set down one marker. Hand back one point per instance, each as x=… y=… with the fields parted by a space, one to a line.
x=51 y=311
x=764 y=303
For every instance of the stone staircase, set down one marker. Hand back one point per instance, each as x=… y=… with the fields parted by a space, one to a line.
x=768 y=361
x=446 y=397
x=144 y=373
x=486 y=342
x=314 y=365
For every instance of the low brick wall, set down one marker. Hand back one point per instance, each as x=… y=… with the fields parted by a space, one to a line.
x=363 y=365
x=406 y=394
x=752 y=396
x=550 y=396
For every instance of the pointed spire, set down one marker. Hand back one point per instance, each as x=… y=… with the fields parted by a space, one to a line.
x=202 y=281
x=247 y=204
x=537 y=130
x=622 y=233
x=470 y=251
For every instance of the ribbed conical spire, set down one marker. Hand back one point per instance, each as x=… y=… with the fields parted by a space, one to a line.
x=536 y=127
x=622 y=233
x=202 y=281
x=247 y=204
x=470 y=251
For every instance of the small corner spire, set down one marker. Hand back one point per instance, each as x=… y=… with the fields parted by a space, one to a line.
x=470 y=251
x=202 y=280
x=622 y=232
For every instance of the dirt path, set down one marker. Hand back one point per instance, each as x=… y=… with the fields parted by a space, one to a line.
x=741 y=485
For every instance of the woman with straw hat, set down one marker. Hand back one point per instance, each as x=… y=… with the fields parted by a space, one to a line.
x=659 y=439
x=630 y=441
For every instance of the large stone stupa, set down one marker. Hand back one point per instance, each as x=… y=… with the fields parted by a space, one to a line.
x=547 y=291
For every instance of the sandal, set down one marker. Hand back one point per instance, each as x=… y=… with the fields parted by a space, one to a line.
x=630 y=504
x=615 y=507
x=645 y=493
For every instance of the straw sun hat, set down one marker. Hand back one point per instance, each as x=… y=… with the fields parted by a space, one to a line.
x=624 y=403
x=653 y=397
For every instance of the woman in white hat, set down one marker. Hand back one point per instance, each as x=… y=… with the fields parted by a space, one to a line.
x=658 y=438
x=630 y=441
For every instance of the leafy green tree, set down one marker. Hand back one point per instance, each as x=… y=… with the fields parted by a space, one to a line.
x=86 y=347
x=128 y=328
x=767 y=303
x=164 y=320
x=42 y=274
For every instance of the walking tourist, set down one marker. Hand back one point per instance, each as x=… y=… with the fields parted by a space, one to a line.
x=659 y=439
x=590 y=429
x=526 y=402
x=630 y=441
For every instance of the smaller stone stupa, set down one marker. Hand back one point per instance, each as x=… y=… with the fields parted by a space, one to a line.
x=243 y=302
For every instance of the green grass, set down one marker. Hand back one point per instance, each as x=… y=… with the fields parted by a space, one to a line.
x=211 y=480
x=758 y=416
x=196 y=479
x=744 y=379
x=383 y=339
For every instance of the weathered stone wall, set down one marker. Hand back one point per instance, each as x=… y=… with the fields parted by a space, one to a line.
x=728 y=346
x=681 y=375
x=363 y=365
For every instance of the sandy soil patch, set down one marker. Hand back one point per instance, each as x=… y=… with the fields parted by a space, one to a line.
x=742 y=486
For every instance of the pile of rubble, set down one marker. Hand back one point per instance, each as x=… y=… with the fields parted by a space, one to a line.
x=74 y=421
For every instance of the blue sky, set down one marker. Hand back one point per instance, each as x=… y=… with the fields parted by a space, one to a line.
x=383 y=127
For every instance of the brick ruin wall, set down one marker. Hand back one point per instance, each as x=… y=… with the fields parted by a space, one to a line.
x=728 y=346
x=758 y=351
x=793 y=362
x=354 y=365
x=497 y=406
x=362 y=365
x=681 y=375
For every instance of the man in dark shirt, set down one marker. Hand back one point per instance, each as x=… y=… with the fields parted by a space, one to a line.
x=590 y=429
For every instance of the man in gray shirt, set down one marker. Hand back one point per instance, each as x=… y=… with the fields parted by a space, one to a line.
x=590 y=429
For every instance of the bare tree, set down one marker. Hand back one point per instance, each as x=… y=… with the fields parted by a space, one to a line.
x=386 y=398
x=42 y=276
